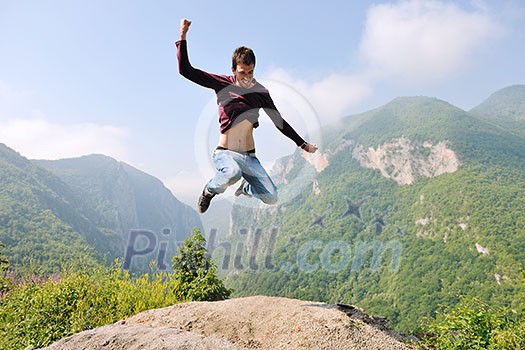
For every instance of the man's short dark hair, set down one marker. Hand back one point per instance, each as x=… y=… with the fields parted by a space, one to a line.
x=243 y=55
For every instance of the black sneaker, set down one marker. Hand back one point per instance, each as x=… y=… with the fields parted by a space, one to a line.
x=204 y=200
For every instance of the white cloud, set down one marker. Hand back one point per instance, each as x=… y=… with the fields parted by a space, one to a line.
x=37 y=138
x=423 y=40
x=329 y=97
x=412 y=41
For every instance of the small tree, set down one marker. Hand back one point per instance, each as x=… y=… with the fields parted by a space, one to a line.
x=195 y=273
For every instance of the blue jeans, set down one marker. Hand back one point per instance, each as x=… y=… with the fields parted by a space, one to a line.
x=232 y=165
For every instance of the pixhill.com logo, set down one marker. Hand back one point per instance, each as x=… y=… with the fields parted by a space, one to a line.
x=312 y=255
x=255 y=249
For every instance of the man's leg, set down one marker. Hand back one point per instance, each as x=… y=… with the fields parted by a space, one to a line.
x=258 y=182
x=228 y=171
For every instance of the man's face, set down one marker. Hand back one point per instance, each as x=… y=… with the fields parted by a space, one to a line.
x=244 y=75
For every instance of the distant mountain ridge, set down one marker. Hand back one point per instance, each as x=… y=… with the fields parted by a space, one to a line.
x=125 y=197
x=507 y=103
x=405 y=208
x=94 y=198
x=38 y=222
x=505 y=108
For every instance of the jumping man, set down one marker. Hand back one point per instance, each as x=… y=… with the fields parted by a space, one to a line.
x=239 y=98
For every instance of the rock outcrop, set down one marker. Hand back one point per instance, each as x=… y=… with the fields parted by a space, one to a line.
x=246 y=323
x=403 y=160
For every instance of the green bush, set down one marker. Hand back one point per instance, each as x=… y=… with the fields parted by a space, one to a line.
x=39 y=313
x=474 y=325
x=35 y=312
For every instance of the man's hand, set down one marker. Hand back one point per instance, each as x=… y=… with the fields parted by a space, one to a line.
x=184 y=27
x=310 y=147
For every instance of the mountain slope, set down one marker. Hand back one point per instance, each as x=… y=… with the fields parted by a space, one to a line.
x=505 y=108
x=476 y=140
x=407 y=207
x=38 y=222
x=84 y=211
x=121 y=198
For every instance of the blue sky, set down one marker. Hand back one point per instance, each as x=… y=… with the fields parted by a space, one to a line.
x=100 y=76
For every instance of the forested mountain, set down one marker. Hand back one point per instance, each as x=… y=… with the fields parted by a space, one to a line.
x=404 y=209
x=506 y=108
x=39 y=224
x=82 y=210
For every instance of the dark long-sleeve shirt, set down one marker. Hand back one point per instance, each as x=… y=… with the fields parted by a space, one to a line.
x=235 y=102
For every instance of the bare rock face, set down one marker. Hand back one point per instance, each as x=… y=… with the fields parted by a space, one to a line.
x=259 y=322
x=319 y=160
x=403 y=160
